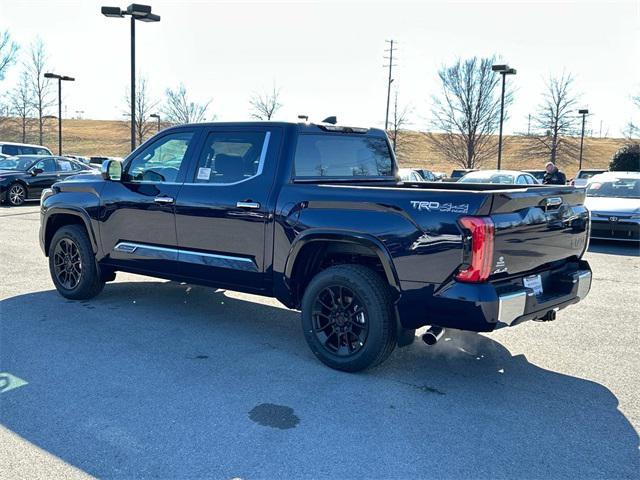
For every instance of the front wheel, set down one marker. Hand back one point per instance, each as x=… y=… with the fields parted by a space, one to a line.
x=72 y=264
x=16 y=194
x=348 y=319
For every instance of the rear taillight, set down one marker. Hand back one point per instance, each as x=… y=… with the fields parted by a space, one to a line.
x=477 y=267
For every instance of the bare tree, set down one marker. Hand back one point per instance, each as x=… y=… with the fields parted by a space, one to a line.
x=36 y=67
x=467 y=112
x=399 y=122
x=265 y=105
x=21 y=101
x=145 y=105
x=8 y=52
x=630 y=130
x=179 y=109
x=557 y=120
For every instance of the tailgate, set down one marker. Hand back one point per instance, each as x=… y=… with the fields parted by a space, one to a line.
x=538 y=226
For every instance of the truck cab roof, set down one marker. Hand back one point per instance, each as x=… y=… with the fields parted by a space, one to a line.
x=302 y=127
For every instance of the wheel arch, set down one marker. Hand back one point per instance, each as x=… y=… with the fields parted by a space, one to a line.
x=311 y=246
x=57 y=218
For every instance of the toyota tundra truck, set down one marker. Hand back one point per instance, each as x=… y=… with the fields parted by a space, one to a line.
x=316 y=216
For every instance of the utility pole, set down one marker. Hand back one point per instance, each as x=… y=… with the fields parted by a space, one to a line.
x=529 y=126
x=391 y=49
x=584 y=112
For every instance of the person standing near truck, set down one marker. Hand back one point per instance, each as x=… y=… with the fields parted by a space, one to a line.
x=553 y=176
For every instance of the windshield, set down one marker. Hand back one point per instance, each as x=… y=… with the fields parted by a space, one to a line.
x=482 y=177
x=620 y=188
x=15 y=164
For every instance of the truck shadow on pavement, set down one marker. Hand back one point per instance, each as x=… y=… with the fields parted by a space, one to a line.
x=158 y=379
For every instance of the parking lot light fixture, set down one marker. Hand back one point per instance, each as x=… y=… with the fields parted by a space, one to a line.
x=137 y=12
x=60 y=78
x=503 y=70
x=584 y=112
x=157 y=117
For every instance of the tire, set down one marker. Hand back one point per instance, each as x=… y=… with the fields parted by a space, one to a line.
x=16 y=194
x=357 y=332
x=72 y=264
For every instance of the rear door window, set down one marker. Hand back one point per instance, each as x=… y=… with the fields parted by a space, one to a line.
x=232 y=157
x=328 y=155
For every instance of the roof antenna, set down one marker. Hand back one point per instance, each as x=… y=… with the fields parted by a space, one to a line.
x=332 y=120
x=304 y=117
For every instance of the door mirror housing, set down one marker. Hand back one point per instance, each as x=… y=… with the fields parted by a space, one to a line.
x=111 y=170
x=36 y=171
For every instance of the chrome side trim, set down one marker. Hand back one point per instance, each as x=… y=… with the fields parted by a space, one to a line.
x=511 y=306
x=148 y=251
x=583 y=279
x=188 y=256
x=215 y=260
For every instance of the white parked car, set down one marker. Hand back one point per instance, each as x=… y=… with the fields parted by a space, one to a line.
x=499 y=176
x=582 y=177
x=10 y=149
x=410 y=175
x=613 y=198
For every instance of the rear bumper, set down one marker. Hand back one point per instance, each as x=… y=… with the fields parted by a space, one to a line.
x=520 y=305
x=485 y=307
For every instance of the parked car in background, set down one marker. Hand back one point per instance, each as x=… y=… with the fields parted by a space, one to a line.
x=614 y=201
x=427 y=175
x=24 y=177
x=583 y=176
x=10 y=149
x=79 y=158
x=538 y=174
x=409 y=175
x=439 y=176
x=99 y=160
x=506 y=177
x=457 y=174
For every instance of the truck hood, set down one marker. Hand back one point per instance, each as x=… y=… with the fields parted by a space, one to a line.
x=613 y=205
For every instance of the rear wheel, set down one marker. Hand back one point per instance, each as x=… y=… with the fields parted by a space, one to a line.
x=72 y=264
x=16 y=194
x=348 y=319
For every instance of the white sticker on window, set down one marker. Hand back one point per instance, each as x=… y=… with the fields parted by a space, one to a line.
x=204 y=173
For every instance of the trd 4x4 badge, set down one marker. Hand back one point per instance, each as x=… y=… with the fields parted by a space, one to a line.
x=440 y=207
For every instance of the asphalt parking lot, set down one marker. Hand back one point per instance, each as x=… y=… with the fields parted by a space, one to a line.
x=166 y=380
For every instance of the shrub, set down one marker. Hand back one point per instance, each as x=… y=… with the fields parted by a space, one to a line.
x=626 y=159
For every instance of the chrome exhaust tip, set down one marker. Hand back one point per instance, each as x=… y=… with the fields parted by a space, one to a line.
x=432 y=335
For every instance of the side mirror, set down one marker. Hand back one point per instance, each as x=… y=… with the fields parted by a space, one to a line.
x=111 y=170
x=36 y=171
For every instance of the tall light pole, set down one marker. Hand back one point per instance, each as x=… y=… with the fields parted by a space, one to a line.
x=390 y=81
x=503 y=70
x=157 y=117
x=61 y=78
x=584 y=112
x=136 y=12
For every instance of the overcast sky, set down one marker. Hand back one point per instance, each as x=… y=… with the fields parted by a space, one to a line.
x=327 y=57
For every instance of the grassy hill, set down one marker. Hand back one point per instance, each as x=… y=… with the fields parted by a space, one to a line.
x=111 y=138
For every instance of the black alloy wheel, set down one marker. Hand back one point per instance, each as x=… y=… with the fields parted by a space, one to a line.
x=340 y=320
x=67 y=263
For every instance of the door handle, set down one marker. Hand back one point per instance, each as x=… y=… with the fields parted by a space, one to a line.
x=247 y=205
x=163 y=200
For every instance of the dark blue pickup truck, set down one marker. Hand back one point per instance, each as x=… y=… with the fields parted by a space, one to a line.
x=315 y=216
